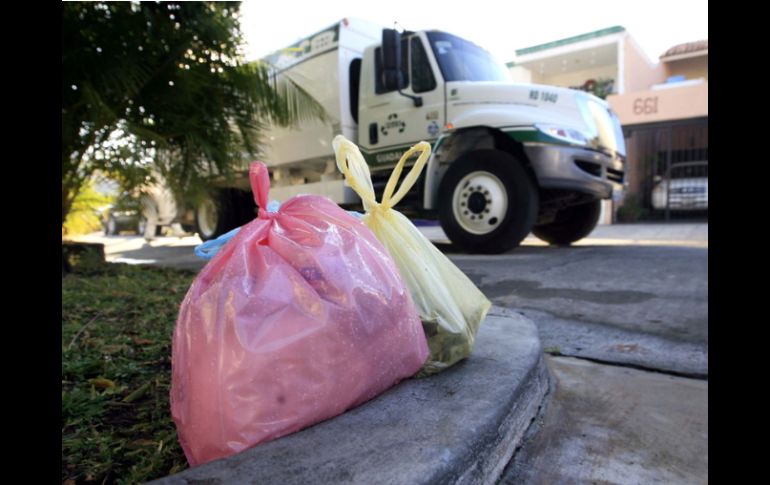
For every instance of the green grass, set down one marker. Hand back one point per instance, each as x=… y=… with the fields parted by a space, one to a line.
x=117 y=323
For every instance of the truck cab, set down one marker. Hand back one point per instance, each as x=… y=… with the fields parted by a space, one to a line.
x=508 y=158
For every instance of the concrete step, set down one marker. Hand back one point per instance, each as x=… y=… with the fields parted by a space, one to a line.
x=609 y=424
x=461 y=426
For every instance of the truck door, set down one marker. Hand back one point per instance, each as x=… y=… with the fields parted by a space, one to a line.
x=389 y=122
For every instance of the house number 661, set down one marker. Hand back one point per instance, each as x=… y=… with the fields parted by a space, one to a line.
x=646 y=105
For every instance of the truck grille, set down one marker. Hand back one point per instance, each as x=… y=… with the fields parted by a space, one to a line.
x=589 y=167
x=615 y=175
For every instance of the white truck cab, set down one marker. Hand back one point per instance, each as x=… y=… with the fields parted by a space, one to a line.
x=507 y=158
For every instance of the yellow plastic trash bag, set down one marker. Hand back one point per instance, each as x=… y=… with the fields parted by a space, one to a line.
x=451 y=307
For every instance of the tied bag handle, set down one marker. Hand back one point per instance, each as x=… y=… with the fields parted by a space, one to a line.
x=260 y=187
x=411 y=177
x=357 y=173
x=352 y=165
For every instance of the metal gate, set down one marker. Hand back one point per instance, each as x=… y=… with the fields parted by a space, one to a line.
x=668 y=171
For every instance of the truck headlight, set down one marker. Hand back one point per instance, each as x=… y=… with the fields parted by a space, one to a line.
x=570 y=135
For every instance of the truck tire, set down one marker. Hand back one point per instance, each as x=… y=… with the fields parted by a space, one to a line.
x=111 y=226
x=212 y=216
x=487 y=202
x=571 y=224
x=141 y=225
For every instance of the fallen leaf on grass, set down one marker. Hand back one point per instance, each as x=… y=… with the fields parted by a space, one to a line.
x=140 y=443
x=142 y=341
x=137 y=393
x=113 y=349
x=101 y=383
x=118 y=403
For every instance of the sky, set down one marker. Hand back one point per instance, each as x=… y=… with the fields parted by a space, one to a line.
x=499 y=26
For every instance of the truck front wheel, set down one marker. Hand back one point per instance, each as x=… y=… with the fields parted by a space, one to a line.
x=487 y=202
x=571 y=224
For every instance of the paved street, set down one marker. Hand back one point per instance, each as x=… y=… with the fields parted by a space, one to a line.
x=623 y=317
x=633 y=304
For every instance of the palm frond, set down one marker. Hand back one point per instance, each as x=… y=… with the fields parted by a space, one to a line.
x=300 y=105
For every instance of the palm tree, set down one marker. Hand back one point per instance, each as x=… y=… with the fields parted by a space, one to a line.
x=162 y=87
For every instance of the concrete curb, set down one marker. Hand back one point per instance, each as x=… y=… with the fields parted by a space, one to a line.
x=461 y=426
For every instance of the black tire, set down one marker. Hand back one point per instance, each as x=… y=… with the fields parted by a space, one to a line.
x=571 y=224
x=517 y=207
x=141 y=224
x=111 y=226
x=212 y=216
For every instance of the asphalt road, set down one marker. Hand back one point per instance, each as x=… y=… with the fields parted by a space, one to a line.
x=639 y=305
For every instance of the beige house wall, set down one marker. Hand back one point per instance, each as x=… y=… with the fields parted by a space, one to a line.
x=520 y=74
x=638 y=72
x=691 y=68
x=655 y=105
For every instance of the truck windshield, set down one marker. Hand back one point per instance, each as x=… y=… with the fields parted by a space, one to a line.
x=461 y=60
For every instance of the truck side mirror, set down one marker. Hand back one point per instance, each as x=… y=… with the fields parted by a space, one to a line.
x=392 y=77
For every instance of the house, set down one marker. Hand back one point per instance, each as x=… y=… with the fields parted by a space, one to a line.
x=662 y=105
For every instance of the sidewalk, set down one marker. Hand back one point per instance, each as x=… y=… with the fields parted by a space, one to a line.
x=117 y=248
x=672 y=234
x=178 y=252
x=686 y=234
x=608 y=424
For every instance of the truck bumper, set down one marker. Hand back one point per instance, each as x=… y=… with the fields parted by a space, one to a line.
x=578 y=169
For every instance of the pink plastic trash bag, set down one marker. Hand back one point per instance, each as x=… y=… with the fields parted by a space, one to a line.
x=299 y=317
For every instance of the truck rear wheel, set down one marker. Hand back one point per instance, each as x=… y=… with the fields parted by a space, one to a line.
x=141 y=225
x=571 y=224
x=212 y=216
x=487 y=202
x=111 y=226
x=223 y=211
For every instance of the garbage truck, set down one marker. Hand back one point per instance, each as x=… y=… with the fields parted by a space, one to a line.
x=507 y=158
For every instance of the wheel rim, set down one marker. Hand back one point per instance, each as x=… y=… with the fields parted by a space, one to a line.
x=111 y=226
x=207 y=218
x=480 y=202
